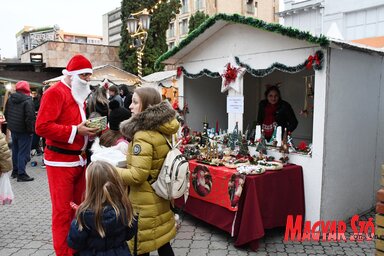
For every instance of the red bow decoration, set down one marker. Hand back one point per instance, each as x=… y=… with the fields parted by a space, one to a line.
x=179 y=72
x=302 y=146
x=106 y=86
x=311 y=59
x=230 y=74
x=175 y=105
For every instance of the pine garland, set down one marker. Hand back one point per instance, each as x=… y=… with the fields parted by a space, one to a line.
x=263 y=72
x=236 y=18
x=201 y=73
x=282 y=67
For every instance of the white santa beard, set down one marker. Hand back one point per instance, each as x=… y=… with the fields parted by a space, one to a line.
x=80 y=89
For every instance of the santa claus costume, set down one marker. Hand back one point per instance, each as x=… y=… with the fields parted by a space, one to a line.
x=62 y=109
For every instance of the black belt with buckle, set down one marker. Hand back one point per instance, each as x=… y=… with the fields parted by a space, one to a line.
x=64 y=151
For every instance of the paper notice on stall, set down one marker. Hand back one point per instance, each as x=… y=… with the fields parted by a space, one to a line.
x=235 y=104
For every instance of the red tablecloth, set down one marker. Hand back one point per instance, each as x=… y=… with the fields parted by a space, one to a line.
x=266 y=201
x=215 y=185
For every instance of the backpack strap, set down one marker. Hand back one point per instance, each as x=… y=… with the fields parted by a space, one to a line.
x=171 y=144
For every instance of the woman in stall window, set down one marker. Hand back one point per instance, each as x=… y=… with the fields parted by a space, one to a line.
x=274 y=112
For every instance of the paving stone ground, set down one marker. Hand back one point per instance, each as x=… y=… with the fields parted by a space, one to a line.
x=25 y=229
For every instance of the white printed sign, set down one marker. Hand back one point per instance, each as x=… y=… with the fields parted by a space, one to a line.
x=235 y=104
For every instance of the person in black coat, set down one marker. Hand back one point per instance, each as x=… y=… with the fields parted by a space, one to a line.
x=274 y=111
x=104 y=220
x=126 y=95
x=21 y=118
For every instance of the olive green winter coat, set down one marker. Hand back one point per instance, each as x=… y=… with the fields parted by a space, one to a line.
x=5 y=155
x=146 y=154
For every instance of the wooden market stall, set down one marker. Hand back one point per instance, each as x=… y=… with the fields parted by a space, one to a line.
x=165 y=81
x=334 y=87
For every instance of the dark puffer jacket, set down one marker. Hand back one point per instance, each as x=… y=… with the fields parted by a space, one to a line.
x=20 y=113
x=284 y=115
x=89 y=242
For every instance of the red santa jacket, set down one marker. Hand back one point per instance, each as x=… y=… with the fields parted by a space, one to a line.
x=57 y=121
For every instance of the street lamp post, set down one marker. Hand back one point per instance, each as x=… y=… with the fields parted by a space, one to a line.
x=138 y=26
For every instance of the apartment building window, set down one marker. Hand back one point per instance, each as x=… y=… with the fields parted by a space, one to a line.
x=251 y=6
x=183 y=26
x=171 y=45
x=171 y=32
x=184 y=7
x=199 y=4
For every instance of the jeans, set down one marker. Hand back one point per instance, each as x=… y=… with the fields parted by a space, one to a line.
x=21 y=151
x=35 y=143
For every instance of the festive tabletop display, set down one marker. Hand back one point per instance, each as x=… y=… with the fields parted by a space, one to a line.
x=231 y=149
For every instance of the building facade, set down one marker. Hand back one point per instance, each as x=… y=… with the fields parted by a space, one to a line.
x=178 y=28
x=30 y=37
x=112 y=27
x=342 y=19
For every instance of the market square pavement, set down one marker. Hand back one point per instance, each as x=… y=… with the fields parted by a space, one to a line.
x=25 y=229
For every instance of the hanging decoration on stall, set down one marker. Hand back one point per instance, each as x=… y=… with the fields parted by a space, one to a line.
x=104 y=84
x=315 y=61
x=179 y=72
x=232 y=76
x=308 y=97
x=200 y=74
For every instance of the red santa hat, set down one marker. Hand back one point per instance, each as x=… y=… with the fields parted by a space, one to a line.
x=23 y=87
x=78 y=65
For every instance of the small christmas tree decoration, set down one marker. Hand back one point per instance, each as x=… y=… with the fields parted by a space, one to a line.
x=290 y=143
x=261 y=147
x=244 y=151
x=233 y=138
x=272 y=140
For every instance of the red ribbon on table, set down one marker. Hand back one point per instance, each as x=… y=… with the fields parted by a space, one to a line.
x=311 y=59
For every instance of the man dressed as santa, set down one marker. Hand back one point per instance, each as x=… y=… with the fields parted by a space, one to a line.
x=61 y=121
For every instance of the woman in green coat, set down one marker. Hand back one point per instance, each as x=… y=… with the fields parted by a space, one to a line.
x=151 y=120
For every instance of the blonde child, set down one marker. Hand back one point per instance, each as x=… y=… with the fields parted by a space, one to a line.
x=104 y=220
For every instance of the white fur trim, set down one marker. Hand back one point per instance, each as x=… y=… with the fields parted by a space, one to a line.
x=83 y=118
x=73 y=134
x=77 y=72
x=81 y=162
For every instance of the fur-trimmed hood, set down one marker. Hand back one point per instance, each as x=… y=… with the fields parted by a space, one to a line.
x=160 y=117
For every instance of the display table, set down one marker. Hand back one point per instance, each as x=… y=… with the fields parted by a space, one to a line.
x=266 y=201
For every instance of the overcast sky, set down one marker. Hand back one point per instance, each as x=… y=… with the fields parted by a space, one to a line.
x=77 y=16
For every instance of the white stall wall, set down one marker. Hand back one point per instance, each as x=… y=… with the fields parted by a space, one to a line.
x=205 y=101
x=380 y=134
x=351 y=139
